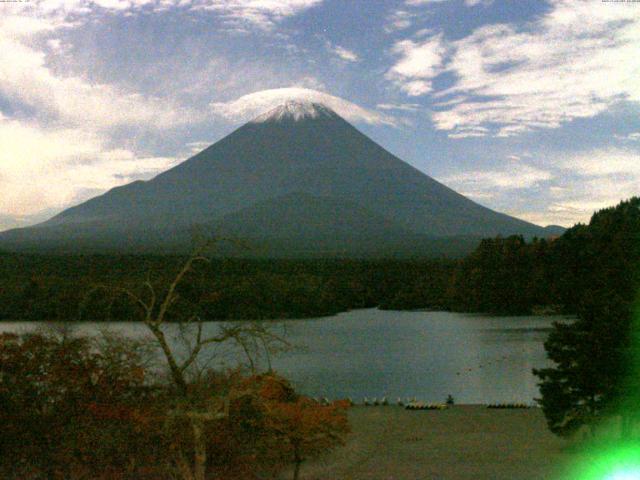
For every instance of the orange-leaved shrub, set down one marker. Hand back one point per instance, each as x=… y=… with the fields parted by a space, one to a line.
x=72 y=411
x=285 y=428
x=68 y=411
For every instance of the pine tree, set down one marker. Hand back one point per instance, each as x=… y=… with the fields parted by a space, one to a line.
x=590 y=355
x=594 y=355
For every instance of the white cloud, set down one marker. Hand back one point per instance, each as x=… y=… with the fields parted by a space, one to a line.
x=468 y=3
x=579 y=197
x=197 y=147
x=415 y=88
x=27 y=80
x=404 y=107
x=415 y=3
x=419 y=63
x=566 y=191
x=345 y=54
x=469 y=132
x=399 y=20
x=631 y=137
x=251 y=105
x=62 y=154
x=262 y=13
x=575 y=185
x=55 y=44
x=18 y=25
x=554 y=215
x=604 y=162
x=576 y=61
x=473 y=3
x=47 y=169
x=515 y=177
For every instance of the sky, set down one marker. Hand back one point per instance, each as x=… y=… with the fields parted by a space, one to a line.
x=529 y=107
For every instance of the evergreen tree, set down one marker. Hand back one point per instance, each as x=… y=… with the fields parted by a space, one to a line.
x=594 y=355
x=590 y=365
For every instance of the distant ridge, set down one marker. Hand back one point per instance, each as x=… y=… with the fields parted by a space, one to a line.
x=298 y=173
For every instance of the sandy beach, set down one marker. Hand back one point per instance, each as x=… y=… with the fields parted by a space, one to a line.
x=460 y=443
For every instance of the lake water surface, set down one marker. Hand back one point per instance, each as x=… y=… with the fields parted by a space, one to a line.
x=373 y=353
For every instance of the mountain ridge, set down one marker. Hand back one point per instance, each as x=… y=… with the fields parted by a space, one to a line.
x=296 y=148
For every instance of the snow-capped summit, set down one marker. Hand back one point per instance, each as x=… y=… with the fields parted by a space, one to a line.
x=295 y=110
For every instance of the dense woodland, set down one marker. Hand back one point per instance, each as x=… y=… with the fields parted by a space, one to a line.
x=59 y=288
x=502 y=276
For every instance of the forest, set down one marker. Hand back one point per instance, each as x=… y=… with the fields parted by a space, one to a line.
x=66 y=288
x=507 y=276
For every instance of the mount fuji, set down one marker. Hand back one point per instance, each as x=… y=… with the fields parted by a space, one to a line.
x=298 y=180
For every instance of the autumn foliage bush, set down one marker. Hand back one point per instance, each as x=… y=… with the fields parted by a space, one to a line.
x=270 y=426
x=70 y=410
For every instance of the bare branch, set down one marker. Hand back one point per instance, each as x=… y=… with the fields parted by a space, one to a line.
x=152 y=294
x=171 y=296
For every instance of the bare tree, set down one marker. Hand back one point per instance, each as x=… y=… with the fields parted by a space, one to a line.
x=250 y=337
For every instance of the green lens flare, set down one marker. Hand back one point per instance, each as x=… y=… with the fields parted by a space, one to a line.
x=612 y=454
x=620 y=462
x=630 y=475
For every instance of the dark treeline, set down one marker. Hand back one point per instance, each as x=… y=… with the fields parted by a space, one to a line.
x=502 y=276
x=512 y=276
x=506 y=276
x=47 y=287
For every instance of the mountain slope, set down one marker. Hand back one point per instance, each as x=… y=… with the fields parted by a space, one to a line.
x=297 y=149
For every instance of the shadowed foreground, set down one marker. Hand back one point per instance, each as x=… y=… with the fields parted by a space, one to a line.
x=463 y=442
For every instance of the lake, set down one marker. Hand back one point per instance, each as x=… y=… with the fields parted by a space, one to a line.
x=374 y=353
